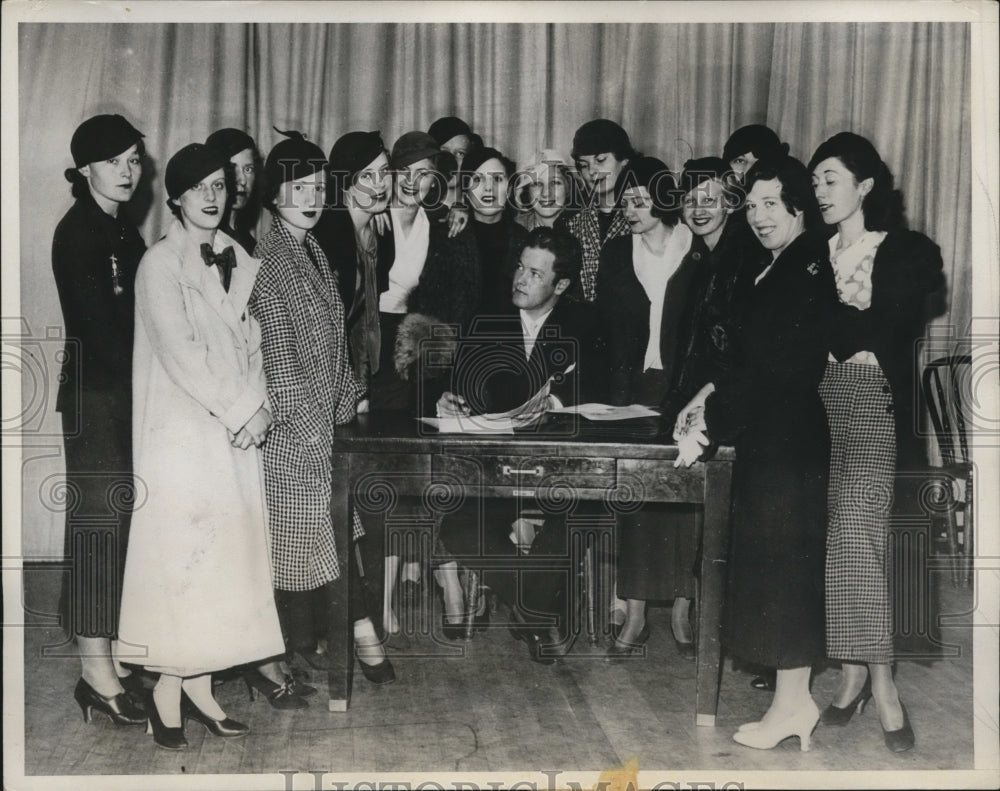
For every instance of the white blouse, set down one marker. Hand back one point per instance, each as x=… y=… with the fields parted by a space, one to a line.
x=852 y=268
x=653 y=272
x=411 y=253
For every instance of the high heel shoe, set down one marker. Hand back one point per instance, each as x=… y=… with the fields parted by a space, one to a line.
x=458 y=631
x=618 y=649
x=839 y=716
x=280 y=696
x=167 y=738
x=226 y=728
x=382 y=673
x=766 y=737
x=902 y=739
x=299 y=687
x=121 y=709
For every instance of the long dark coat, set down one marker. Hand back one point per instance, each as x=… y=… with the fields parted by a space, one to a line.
x=768 y=404
x=312 y=389
x=92 y=253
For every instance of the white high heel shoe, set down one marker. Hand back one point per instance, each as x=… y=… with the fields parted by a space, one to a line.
x=766 y=737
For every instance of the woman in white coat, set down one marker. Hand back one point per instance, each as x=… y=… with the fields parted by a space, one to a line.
x=197 y=594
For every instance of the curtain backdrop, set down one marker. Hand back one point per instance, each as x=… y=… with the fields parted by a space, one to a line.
x=679 y=90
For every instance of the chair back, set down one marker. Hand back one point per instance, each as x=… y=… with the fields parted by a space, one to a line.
x=945 y=385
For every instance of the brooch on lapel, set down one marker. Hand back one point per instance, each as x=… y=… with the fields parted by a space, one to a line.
x=813 y=268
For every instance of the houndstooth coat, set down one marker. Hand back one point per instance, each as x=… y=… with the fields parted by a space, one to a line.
x=312 y=389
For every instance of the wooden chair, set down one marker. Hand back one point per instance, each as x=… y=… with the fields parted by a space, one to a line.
x=945 y=381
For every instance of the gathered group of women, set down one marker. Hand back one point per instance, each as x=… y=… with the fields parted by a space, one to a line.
x=216 y=366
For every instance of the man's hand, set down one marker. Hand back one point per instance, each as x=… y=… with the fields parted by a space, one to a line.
x=452 y=405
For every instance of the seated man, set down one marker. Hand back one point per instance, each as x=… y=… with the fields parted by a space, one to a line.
x=503 y=362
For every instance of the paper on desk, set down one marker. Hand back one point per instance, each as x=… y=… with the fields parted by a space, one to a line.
x=608 y=412
x=531 y=411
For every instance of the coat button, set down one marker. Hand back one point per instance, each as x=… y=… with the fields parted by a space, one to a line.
x=885 y=389
x=889 y=409
x=696 y=256
x=244 y=316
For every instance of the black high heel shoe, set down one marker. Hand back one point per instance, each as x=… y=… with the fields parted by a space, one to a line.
x=901 y=740
x=167 y=738
x=280 y=696
x=298 y=687
x=227 y=728
x=839 y=716
x=382 y=673
x=615 y=650
x=121 y=709
x=458 y=631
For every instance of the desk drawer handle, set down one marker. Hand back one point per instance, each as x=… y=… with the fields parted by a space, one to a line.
x=508 y=470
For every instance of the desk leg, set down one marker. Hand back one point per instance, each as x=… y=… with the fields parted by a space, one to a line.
x=715 y=544
x=340 y=640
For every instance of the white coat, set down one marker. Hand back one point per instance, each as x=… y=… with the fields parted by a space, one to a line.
x=197 y=594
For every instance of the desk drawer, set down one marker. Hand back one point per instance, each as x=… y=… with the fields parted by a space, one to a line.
x=528 y=471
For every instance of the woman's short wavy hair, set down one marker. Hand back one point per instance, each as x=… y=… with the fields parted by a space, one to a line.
x=797 y=192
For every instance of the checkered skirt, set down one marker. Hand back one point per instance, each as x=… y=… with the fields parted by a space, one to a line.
x=859 y=408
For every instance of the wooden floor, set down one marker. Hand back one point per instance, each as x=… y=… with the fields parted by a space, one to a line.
x=485 y=707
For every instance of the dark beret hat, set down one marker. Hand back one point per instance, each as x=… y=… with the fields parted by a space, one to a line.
x=412 y=147
x=444 y=129
x=293 y=158
x=599 y=137
x=101 y=137
x=353 y=152
x=756 y=139
x=655 y=176
x=698 y=170
x=189 y=166
x=230 y=142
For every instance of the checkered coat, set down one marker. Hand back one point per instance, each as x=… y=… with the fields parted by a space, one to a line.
x=312 y=389
x=585 y=228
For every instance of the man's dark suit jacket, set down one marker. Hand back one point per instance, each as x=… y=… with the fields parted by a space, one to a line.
x=493 y=373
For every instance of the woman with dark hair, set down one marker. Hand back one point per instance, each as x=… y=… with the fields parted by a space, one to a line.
x=768 y=405
x=547 y=191
x=244 y=162
x=197 y=596
x=643 y=284
x=487 y=175
x=601 y=149
x=358 y=192
x=312 y=389
x=884 y=274
x=95 y=253
x=749 y=145
x=434 y=274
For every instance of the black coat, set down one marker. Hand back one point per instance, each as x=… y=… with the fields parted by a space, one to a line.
x=335 y=234
x=95 y=399
x=499 y=247
x=99 y=322
x=624 y=307
x=768 y=405
x=718 y=297
x=492 y=373
x=906 y=270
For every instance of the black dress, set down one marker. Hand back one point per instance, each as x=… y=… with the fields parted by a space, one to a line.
x=768 y=404
x=94 y=261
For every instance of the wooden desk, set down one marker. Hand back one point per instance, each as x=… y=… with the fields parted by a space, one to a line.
x=384 y=455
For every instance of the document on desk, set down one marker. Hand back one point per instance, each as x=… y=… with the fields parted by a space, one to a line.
x=527 y=414
x=607 y=412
